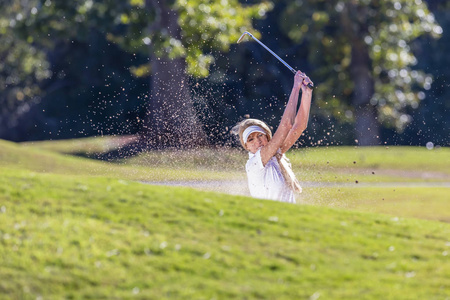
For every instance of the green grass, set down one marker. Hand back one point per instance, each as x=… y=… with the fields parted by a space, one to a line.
x=327 y=164
x=41 y=160
x=73 y=227
x=348 y=167
x=79 y=237
x=372 y=164
x=376 y=158
x=430 y=203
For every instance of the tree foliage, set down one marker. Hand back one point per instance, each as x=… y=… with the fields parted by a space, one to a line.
x=147 y=28
x=206 y=25
x=387 y=28
x=22 y=67
x=90 y=63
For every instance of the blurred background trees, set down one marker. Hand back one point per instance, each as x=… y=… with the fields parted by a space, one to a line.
x=364 y=53
x=170 y=71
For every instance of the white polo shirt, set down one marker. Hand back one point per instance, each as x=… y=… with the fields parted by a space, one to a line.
x=267 y=182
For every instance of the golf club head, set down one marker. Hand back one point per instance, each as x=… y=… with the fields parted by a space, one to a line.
x=242 y=36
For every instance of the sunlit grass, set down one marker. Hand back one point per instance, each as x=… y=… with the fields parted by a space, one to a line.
x=320 y=164
x=69 y=236
x=39 y=160
x=330 y=176
x=418 y=159
x=417 y=202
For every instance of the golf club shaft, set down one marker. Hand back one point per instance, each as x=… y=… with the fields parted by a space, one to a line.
x=273 y=53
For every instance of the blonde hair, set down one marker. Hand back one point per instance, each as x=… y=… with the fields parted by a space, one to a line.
x=283 y=161
x=241 y=126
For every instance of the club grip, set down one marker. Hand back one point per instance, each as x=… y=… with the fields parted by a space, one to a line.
x=310 y=85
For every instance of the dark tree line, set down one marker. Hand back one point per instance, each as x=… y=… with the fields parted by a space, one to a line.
x=376 y=81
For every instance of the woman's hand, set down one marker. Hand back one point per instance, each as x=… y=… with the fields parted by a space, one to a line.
x=299 y=78
x=305 y=83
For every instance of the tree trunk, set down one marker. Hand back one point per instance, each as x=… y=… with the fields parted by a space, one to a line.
x=367 y=126
x=172 y=120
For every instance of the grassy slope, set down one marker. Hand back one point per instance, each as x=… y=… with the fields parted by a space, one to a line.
x=403 y=158
x=317 y=165
x=85 y=236
x=40 y=160
x=372 y=164
x=329 y=164
x=93 y=237
x=398 y=157
x=430 y=203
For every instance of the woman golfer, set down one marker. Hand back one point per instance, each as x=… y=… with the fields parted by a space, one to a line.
x=269 y=172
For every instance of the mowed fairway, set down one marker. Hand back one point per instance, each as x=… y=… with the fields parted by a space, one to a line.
x=401 y=181
x=73 y=227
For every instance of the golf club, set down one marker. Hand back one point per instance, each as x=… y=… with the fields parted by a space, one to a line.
x=310 y=85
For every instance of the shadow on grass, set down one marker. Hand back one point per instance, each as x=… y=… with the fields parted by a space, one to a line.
x=122 y=148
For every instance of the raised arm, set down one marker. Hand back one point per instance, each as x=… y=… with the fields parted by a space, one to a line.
x=301 y=119
x=286 y=123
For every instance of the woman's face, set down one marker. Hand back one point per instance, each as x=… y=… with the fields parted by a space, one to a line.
x=255 y=141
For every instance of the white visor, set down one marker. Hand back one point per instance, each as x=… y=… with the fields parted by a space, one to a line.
x=250 y=129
